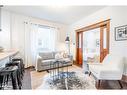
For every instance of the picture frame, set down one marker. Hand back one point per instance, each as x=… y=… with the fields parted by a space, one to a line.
x=121 y=33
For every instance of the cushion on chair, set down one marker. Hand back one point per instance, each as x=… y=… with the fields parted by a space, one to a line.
x=110 y=69
x=105 y=72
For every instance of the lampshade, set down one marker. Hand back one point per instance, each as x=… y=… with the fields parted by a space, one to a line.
x=67 y=39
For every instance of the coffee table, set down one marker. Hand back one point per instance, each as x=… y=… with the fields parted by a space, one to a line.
x=60 y=72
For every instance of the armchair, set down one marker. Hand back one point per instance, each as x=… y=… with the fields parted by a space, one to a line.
x=110 y=69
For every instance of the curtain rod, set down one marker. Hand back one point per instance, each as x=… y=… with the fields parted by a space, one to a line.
x=41 y=25
x=44 y=25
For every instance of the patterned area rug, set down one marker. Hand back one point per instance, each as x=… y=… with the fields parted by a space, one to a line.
x=74 y=81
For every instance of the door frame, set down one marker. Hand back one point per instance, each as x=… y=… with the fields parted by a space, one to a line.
x=90 y=27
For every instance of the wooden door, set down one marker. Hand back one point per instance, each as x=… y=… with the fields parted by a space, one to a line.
x=104 y=41
x=79 y=48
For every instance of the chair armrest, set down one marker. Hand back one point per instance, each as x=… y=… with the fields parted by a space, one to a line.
x=38 y=62
x=39 y=57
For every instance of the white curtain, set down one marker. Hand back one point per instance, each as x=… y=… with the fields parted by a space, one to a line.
x=53 y=39
x=33 y=43
x=36 y=37
x=26 y=41
x=31 y=31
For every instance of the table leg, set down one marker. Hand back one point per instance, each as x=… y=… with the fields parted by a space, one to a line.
x=58 y=70
x=50 y=70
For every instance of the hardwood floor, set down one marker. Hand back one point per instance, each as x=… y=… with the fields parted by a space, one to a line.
x=38 y=79
x=112 y=85
x=26 y=83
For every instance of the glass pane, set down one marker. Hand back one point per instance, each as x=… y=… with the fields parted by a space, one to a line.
x=46 y=39
x=80 y=40
x=104 y=39
x=91 y=45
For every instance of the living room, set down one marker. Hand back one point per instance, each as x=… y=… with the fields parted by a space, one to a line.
x=52 y=49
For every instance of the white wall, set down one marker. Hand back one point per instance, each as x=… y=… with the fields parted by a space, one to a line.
x=5 y=26
x=118 y=16
x=12 y=24
x=13 y=34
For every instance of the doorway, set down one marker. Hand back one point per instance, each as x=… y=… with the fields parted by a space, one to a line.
x=92 y=42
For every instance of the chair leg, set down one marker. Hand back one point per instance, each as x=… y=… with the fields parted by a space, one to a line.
x=120 y=84
x=89 y=73
x=47 y=71
x=98 y=84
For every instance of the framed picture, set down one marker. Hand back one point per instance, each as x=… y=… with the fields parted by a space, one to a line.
x=121 y=33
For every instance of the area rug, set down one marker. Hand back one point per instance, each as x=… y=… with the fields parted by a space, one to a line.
x=74 y=81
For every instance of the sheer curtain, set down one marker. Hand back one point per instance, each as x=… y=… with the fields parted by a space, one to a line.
x=33 y=43
x=53 y=38
x=46 y=39
x=37 y=39
x=30 y=46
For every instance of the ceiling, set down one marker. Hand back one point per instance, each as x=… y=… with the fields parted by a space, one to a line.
x=59 y=14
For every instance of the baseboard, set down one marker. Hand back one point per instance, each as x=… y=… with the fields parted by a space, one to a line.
x=124 y=78
x=75 y=63
x=30 y=67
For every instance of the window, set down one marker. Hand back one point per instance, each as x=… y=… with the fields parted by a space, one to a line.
x=46 y=39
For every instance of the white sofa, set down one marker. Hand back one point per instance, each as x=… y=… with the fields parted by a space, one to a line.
x=110 y=69
x=45 y=60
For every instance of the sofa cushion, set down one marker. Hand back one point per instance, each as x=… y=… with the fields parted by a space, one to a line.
x=47 y=62
x=47 y=55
